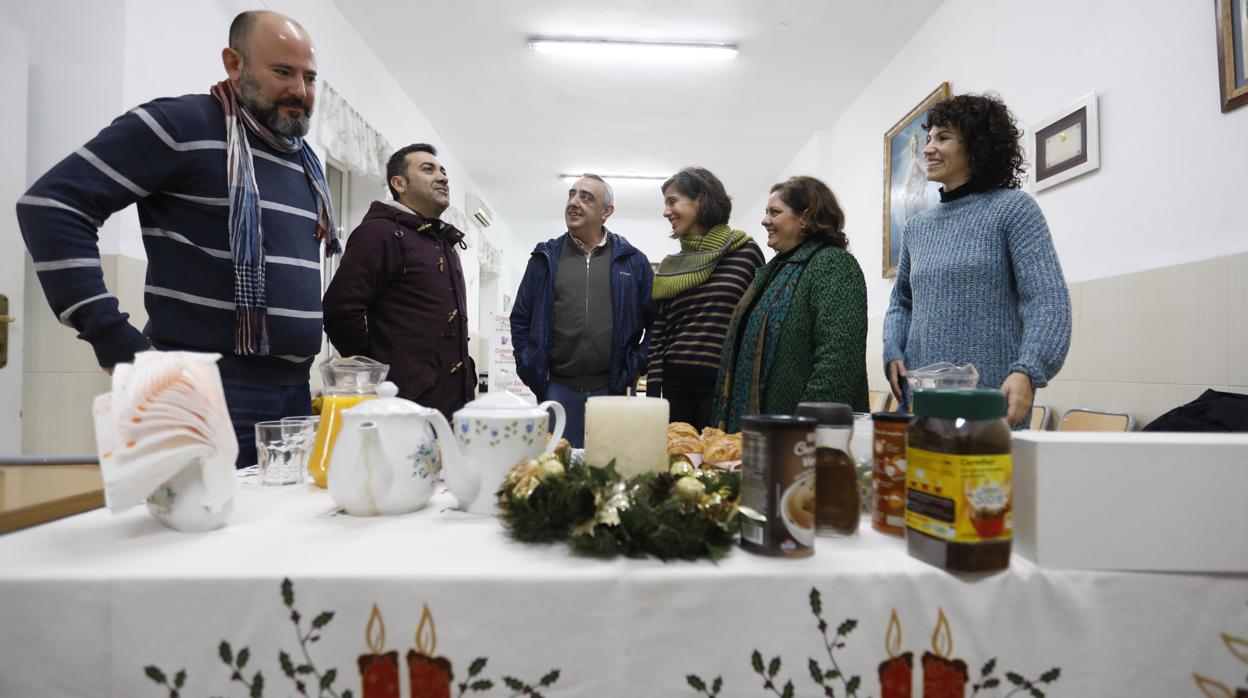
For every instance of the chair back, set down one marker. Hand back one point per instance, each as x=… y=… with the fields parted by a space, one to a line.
x=1039 y=418
x=877 y=400
x=1082 y=419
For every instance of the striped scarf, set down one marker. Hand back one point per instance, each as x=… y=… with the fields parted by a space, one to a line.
x=251 y=333
x=696 y=260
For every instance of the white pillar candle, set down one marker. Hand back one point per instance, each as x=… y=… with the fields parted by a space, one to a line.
x=631 y=430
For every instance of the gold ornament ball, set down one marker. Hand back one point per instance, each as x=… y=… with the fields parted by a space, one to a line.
x=689 y=489
x=680 y=466
x=548 y=469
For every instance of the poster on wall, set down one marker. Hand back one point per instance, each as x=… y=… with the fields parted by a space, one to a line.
x=502 y=359
x=906 y=189
x=1232 y=18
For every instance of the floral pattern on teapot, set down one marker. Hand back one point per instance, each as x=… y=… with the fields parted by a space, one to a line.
x=468 y=429
x=426 y=461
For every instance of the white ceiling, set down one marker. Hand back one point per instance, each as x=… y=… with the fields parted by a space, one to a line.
x=516 y=118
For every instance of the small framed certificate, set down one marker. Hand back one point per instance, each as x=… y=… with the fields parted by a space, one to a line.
x=1067 y=144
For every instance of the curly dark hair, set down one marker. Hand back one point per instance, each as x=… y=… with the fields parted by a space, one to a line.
x=991 y=136
x=697 y=183
x=816 y=206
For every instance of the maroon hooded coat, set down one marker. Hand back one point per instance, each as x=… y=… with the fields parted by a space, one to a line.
x=398 y=297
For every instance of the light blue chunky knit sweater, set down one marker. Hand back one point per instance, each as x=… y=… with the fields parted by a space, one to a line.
x=979 y=281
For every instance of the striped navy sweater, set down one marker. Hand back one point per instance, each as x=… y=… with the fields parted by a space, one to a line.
x=689 y=329
x=168 y=158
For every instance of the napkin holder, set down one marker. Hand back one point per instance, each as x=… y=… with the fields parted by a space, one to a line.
x=164 y=437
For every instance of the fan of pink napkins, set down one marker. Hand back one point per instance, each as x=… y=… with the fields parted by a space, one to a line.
x=166 y=412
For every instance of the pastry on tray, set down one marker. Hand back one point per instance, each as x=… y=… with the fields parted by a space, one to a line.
x=722 y=450
x=677 y=430
x=710 y=433
x=684 y=444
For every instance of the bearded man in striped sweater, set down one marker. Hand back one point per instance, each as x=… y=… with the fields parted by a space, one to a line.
x=234 y=211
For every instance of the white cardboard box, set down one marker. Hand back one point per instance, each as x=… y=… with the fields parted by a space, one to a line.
x=1174 y=502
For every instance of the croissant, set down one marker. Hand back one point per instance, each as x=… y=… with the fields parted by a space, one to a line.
x=684 y=445
x=711 y=433
x=681 y=429
x=722 y=450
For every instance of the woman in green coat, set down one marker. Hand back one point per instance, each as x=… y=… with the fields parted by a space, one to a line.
x=799 y=333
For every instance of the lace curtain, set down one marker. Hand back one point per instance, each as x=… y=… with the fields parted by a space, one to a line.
x=348 y=137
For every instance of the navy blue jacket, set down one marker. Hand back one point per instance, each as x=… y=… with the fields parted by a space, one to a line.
x=632 y=308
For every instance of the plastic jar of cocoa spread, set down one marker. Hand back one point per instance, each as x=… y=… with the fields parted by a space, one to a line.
x=959 y=494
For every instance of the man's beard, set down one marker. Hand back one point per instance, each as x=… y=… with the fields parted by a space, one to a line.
x=249 y=94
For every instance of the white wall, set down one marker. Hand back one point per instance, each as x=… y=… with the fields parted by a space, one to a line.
x=1170 y=188
x=75 y=53
x=93 y=59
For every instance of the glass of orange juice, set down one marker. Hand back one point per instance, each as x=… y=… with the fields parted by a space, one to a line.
x=348 y=381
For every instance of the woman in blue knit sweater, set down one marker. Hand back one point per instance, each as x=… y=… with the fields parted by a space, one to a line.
x=979 y=279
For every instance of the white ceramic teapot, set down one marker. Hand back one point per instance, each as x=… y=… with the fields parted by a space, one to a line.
x=493 y=433
x=385 y=461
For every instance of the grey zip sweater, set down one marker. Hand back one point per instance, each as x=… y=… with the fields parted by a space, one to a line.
x=580 y=357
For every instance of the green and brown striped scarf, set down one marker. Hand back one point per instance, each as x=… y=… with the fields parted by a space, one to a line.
x=696 y=260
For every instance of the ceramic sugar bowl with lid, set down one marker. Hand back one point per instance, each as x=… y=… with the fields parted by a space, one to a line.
x=493 y=433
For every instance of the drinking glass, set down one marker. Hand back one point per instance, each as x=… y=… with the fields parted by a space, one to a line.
x=280 y=459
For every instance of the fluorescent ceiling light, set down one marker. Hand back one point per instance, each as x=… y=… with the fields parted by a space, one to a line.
x=617 y=180
x=634 y=50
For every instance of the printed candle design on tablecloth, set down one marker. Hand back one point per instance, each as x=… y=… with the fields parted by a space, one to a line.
x=1216 y=689
x=896 y=672
x=943 y=677
x=379 y=673
x=430 y=676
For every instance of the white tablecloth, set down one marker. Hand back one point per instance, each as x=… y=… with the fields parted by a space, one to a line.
x=87 y=604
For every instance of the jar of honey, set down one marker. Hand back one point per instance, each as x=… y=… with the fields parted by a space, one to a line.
x=348 y=381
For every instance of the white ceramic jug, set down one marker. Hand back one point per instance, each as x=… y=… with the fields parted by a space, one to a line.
x=493 y=433
x=385 y=461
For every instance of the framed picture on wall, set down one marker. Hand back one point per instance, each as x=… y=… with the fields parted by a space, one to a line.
x=1067 y=144
x=1232 y=17
x=906 y=189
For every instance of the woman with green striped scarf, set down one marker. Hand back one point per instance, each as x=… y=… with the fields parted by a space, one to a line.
x=696 y=291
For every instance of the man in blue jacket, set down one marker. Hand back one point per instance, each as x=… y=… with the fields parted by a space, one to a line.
x=580 y=325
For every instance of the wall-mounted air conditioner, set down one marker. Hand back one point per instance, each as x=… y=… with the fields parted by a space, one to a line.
x=478 y=210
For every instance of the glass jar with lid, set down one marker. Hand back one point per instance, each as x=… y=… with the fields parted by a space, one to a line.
x=837 y=501
x=959 y=492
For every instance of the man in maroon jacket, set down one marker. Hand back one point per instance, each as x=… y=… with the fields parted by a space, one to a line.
x=398 y=296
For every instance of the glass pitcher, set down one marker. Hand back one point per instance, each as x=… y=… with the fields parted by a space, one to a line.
x=348 y=381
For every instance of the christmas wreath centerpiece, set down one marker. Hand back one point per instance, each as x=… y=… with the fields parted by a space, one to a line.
x=684 y=513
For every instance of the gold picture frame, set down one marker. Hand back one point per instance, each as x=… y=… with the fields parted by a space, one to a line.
x=906 y=189
x=1232 y=20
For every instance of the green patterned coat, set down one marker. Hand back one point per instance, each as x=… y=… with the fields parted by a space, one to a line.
x=820 y=355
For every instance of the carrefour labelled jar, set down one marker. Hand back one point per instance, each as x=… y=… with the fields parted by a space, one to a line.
x=958 y=481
